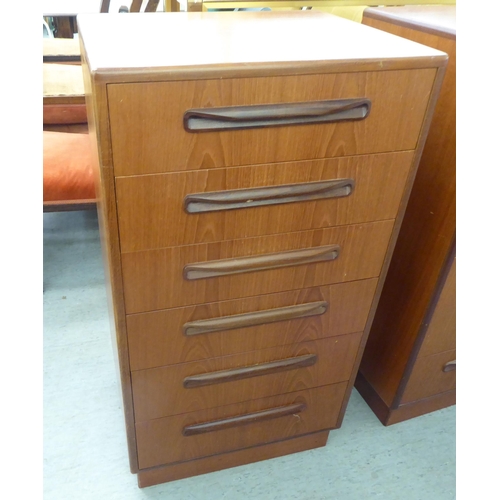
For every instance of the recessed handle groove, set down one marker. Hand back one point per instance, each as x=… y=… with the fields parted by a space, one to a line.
x=254 y=318
x=275 y=115
x=269 y=195
x=249 y=418
x=450 y=366
x=227 y=267
x=249 y=371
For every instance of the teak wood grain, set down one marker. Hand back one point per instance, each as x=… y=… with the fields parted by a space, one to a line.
x=343 y=59
x=442 y=329
x=438 y=20
x=159 y=200
x=181 y=470
x=428 y=377
x=427 y=233
x=159 y=392
x=97 y=112
x=401 y=412
x=156 y=338
x=161 y=441
x=149 y=137
x=154 y=279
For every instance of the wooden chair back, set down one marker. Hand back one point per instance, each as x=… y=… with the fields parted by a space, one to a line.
x=135 y=6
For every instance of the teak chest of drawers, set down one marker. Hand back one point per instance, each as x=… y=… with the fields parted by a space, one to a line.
x=251 y=185
x=408 y=367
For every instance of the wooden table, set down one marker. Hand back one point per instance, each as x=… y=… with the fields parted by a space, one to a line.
x=63 y=84
x=61 y=50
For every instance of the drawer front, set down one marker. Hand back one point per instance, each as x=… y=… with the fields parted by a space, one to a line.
x=197 y=274
x=224 y=204
x=148 y=134
x=218 y=329
x=175 y=389
x=431 y=375
x=234 y=427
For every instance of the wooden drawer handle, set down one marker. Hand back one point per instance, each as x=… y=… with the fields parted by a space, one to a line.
x=249 y=371
x=258 y=416
x=275 y=115
x=260 y=262
x=271 y=195
x=254 y=318
x=450 y=366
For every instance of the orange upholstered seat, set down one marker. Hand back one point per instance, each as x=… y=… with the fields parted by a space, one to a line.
x=67 y=168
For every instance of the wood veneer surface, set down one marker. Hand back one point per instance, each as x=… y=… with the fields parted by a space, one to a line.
x=428 y=378
x=149 y=137
x=156 y=338
x=161 y=441
x=442 y=329
x=159 y=392
x=159 y=200
x=180 y=470
x=367 y=258
x=436 y=19
x=154 y=279
x=426 y=236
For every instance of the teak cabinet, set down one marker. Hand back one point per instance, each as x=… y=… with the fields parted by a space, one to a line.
x=408 y=367
x=251 y=186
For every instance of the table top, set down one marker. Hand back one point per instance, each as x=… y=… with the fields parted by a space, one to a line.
x=59 y=49
x=222 y=40
x=438 y=19
x=63 y=84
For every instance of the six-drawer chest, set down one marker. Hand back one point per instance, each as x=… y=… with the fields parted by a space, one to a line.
x=252 y=171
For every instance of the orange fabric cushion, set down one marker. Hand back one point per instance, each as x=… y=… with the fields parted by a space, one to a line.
x=67 y=167
x=64 y=113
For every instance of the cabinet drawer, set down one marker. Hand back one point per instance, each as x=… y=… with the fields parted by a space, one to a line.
x=149 y=136
x=174 y=389
x=431 y=375
x=218 y=329
x=197 y=274
x=224 y=204
x=238 y=426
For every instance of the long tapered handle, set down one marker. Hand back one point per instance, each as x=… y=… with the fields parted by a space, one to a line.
x=227 y=267
x=254 y=318
x=231 y=375
x=275 y=115
x=270 y=195
x=450 y=366
x=249 y=418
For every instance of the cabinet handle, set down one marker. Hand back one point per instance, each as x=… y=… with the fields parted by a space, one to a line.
x=451 y=365
x=260 y=262
x=232 y=375
x=254 y=318
x=249 y=418
x=275 y=115
x=271 y=195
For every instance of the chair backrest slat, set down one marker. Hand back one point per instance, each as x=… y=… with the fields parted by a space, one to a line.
x=136 y=6
x=152 y=6
x=105 y=6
